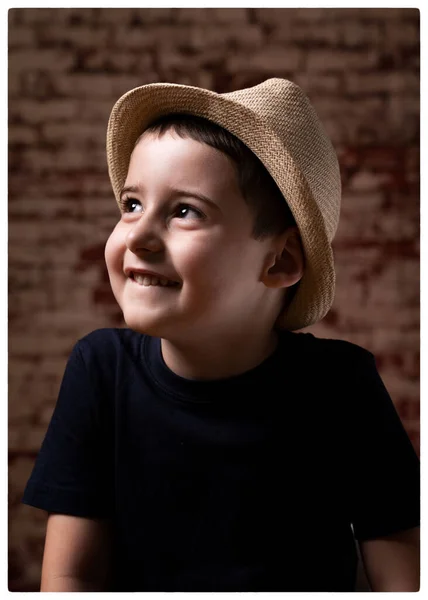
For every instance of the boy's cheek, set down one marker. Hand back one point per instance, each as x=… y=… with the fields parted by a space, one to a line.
x=113 y=255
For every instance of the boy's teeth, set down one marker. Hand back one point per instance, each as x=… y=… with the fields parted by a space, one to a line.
x=150 y=280
x=147 y=280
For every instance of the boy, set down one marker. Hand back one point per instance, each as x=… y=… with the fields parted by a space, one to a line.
x=207 y=447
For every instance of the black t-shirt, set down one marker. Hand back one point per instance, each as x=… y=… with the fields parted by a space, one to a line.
x=258 y=482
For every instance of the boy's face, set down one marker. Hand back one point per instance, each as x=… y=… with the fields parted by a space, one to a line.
x=204 y=246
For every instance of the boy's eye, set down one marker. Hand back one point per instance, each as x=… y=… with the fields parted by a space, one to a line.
x=183 y=211
x=128 y=204
x=131 y=205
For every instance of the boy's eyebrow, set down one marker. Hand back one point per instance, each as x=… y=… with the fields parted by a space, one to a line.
x=188 y=194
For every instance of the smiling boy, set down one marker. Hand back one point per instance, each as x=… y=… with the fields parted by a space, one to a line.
x=218 y=319
x=206 y=446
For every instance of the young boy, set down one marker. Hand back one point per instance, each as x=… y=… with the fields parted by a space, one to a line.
x=206 y=447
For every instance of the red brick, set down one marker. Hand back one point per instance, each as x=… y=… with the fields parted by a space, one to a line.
x=21 y=37
x=366 y=181
x=36 y=111
x=218 y=36
x=152 y=16
x=273 y=16
x=309 y=34
x=78 y=133
x=128 y=16
x=49 y=60
x=402 y=32
x=121 y=62
x=319 y=83
x=334 y=60
x=204 y=15
x=392 y=82
x=361 y=34
x=97 y=85
x=270 y=61
x=35 y=16
x=391 y=14
x=83 y=36
x=22 y=135
x=235 y=16
x=142 y=39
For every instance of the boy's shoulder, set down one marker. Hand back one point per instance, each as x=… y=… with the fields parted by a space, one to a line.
x=337 y=345
x=109 y=343
x=110 y=334
x=334 y=352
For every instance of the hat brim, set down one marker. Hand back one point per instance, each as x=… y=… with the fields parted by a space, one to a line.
x=136 y=109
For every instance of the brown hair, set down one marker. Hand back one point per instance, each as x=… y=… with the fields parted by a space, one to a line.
x=271 y=212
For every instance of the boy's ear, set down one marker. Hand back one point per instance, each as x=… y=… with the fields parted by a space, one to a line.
x=285 y=264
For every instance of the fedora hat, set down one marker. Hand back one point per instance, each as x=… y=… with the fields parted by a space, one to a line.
x=275 y=120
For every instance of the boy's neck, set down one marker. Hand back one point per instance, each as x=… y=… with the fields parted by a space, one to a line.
x=218 y=359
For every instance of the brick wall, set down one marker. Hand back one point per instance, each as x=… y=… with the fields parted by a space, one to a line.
x=68 y=66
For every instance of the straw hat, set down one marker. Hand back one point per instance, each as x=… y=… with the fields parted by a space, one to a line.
x=277 y=122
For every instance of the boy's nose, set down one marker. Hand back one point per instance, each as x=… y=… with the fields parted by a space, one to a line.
x=144 y=236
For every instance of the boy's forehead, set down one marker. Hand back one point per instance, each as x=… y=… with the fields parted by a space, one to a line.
x=196 y=160
x=174 y=164
x=172 y=139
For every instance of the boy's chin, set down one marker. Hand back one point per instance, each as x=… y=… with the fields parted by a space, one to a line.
x=148 y=326
x=142 y=326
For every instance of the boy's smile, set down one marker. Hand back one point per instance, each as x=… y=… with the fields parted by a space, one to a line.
x=184 y=220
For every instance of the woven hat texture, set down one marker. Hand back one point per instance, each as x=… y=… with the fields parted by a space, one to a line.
x=276 y=120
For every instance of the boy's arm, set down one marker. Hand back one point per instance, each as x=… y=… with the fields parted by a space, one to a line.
x=392 y=563
x=77 y=554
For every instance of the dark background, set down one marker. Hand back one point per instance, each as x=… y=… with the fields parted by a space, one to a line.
x=67 y=67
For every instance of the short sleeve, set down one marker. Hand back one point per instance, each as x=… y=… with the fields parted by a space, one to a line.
x=384 y=471
x=73 y=469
